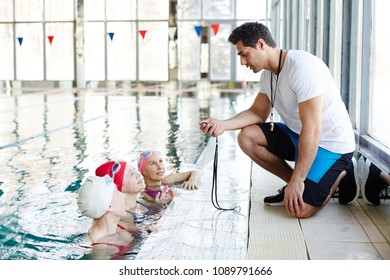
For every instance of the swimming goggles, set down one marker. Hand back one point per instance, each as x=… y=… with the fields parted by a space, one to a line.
x=146 y=154
x=114 y=169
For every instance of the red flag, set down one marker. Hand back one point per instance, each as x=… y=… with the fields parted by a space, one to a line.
x=50 y=39
x=215 y=28
x=143 y=33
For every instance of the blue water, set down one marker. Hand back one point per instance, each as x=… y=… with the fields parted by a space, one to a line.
x=51 y=140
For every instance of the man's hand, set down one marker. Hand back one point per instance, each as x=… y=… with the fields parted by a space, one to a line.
x=212 y=127
x=293 y=200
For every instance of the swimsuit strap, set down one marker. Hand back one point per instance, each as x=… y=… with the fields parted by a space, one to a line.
x=122 y=227
x=121 y=248
x=150 y=211
x=138 y=218
x=152 y=193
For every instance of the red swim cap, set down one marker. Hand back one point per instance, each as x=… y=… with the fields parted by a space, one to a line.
x=106 y=168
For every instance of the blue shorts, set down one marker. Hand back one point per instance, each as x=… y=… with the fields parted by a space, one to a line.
x=324 y=171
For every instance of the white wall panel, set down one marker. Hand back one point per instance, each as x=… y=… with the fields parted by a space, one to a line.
x=121 y=10
x=121 y=51
x=95 y=51
x=6 y=10
x=220 y=54
x=59 y=10
x=28 y=10
x=7 y=52
x=153 y=9
x=29 y=54
x=153 y=51
x=60 y=53
x=188 y=52
x=94 y=10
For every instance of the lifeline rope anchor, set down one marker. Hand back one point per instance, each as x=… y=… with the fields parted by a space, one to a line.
x=214 y=186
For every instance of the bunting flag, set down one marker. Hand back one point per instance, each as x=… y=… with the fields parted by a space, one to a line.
x=215 y=28
x=198 y=29
x=111 y=34
x=20 y=39
x=143 y=33
x=50 y=39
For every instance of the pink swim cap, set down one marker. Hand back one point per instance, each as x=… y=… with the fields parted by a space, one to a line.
x=143 y=158
x=106 y=168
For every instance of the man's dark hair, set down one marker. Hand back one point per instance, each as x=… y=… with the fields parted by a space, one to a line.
x=249 y=33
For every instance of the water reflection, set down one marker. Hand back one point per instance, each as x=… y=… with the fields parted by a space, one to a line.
x=50 y=141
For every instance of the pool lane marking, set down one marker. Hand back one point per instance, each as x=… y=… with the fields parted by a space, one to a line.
x=98 y=94
x=19 y=142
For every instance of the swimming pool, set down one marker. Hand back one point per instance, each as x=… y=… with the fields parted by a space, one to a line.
x=50 y=140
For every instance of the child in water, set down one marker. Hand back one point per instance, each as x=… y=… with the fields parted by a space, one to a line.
x=99 y=199
x=131 y=184
x=152 y=167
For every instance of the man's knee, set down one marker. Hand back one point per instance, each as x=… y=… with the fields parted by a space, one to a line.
x=249 y=136
x=304 y=215
x=309 y=211
x=242 y=137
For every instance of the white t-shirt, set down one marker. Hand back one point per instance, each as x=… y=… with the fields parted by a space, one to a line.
x=305 y=76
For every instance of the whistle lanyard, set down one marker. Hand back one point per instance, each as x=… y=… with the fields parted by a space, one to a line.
x=215 y=179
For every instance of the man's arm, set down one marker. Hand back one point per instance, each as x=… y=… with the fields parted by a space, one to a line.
x=257 y=113
x=309 y=138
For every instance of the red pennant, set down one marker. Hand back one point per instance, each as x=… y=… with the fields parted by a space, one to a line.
x=50 y=39
x=215 y=28
x=143 y=33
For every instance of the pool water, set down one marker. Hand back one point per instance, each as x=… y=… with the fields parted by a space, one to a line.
x=50 y=140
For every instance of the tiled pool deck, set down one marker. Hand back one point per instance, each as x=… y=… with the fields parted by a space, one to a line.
x=193 y=229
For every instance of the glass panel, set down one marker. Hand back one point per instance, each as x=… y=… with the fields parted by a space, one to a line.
x=7 y=52
x=121 y=51
x=94 y=10
x=60 y=52
x=356 y=68
x=335 y=39
x=94 y=47
x=218 y=9
x=153 y=62
x=6 y=10
x=121 y=9
x=188 y=52
x=153 y=9
x=220 y=53
x=251 y=9
x=188 y=9
x=379 y=97
x=28 y=10
x=59 y=10
x=29 y=54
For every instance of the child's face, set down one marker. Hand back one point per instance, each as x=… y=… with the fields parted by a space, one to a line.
x=155 y=168
x=133 y=182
